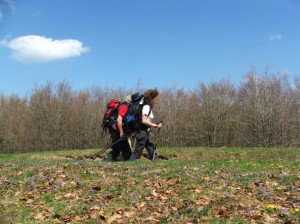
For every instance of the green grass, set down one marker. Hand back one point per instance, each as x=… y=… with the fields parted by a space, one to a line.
x=189 y=185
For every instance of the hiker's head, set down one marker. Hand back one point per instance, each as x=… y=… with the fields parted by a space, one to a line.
x=150 y=96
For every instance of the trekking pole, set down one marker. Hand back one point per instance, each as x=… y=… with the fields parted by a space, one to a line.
x=154 y=151
x=107 y=147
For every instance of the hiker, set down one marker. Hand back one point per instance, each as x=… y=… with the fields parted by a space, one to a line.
x=143 y=135
x=123 y=145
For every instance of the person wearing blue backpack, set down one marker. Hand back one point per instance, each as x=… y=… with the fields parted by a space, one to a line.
x=142 y=136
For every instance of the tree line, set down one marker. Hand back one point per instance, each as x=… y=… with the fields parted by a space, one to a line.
x=263 y=111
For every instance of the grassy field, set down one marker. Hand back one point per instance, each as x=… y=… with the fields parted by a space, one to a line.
x=188 y=185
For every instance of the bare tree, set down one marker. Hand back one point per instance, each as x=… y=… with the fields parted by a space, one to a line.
x=217 y=102
x=263 y=110
x=61 y=112
x=2 y=123
x=170 y=110
x=41 y=124
x=294 y=131
x=12 y=121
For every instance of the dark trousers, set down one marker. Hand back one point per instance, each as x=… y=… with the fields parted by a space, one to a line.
x=122 y=146
x=143 y=141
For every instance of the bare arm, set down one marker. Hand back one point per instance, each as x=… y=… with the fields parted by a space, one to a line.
x=119 y=124
x=148 y=123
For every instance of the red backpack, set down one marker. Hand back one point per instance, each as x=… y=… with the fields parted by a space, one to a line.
x=110 y=116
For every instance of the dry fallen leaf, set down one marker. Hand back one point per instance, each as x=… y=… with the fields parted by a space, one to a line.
x=40 y=216
x=269 y=219
x=154 y=193
x=114 y=218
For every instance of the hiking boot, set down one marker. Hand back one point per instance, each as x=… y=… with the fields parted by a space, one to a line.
x=109 y=158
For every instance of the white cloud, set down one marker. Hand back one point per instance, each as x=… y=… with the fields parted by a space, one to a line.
x=275 y=37
x=34 y=48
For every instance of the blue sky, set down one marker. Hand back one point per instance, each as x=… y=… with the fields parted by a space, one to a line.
x=159 y=43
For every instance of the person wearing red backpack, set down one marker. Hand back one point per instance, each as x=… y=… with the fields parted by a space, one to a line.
x=143 y=139
x=117 y=135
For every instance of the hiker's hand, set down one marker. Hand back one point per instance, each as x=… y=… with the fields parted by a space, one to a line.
x=122 y=136
x=160 y=125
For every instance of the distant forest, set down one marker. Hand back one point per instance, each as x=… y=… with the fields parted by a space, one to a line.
x=263 y=111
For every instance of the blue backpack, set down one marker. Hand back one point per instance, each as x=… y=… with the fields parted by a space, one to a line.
x=133 y=118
